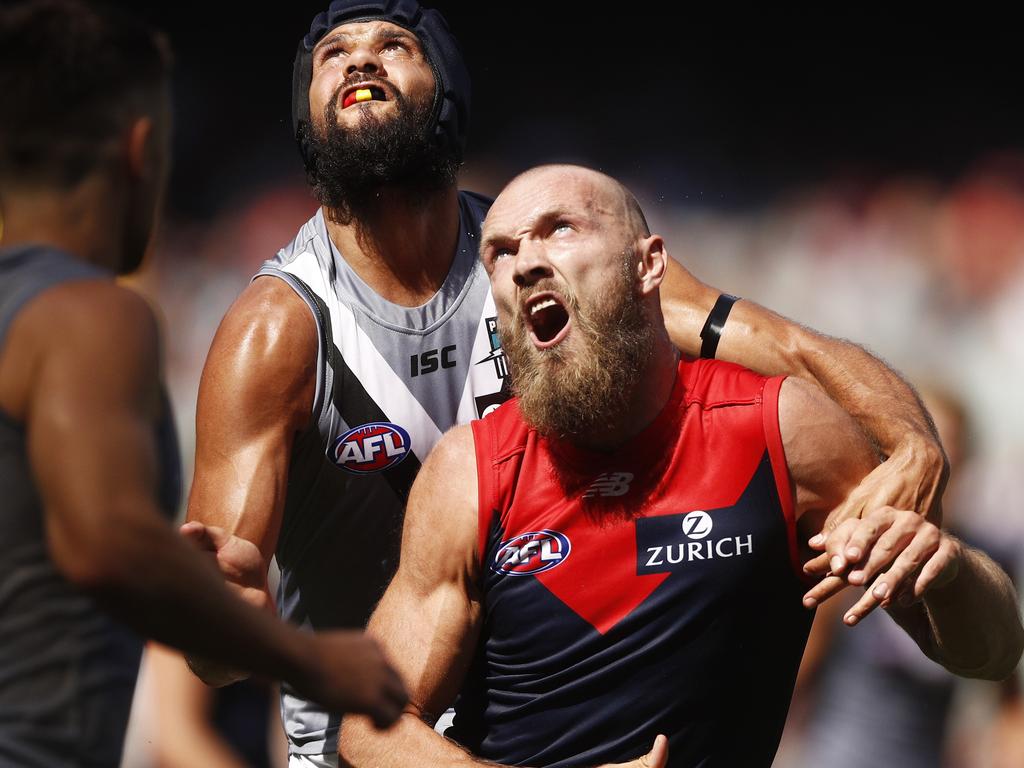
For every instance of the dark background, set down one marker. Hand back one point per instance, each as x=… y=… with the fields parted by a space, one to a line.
x=725 y=109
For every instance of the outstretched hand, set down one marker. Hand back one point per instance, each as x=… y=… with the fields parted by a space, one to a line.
x=913 y=477
x=902 y=552
x=349 y=673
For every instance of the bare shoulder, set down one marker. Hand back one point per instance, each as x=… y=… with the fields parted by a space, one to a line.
x=448 y=477
x=97 y=314
x=826 y=451
x=263 y=357
x=443 y=503
x=268 y=319
x=90 y=339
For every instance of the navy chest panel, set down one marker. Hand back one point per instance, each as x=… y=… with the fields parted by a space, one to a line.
x=607 y=574
x=684 y=619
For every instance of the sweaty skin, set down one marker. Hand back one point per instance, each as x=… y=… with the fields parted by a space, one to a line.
x=883 y=403
x=431 y=615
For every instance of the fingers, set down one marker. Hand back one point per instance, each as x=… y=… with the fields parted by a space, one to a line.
x=924 y=544
x=941 y=568
x=823 y=590
x=889 y=544
x=197 y=533
x=658 y=756
x=208 y=538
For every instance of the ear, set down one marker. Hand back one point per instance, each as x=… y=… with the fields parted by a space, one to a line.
x=140 y=146
x=653 y=263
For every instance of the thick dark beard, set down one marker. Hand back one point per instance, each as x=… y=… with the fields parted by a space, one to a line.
x=577 y=395
x=347 y=169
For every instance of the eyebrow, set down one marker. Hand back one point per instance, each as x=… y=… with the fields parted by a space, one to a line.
x=382 y=36
x=544 y=219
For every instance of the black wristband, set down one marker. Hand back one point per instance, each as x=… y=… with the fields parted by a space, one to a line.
x=712 y=330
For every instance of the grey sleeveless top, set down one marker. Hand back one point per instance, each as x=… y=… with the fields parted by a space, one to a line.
x=67 y=672
x=390 y=381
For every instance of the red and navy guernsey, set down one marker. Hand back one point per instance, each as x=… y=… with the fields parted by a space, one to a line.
x=653 y=589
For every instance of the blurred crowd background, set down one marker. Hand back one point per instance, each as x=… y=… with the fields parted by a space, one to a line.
x=863 y=179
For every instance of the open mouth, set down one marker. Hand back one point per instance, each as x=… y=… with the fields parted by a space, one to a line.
x=547 y=319
x=358 y=94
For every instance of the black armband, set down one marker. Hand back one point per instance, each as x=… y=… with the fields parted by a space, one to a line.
x=712 y=330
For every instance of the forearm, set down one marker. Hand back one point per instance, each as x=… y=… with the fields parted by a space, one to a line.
x=154 y=581
x=886 y=406
x=970 y=625
x=410 y=741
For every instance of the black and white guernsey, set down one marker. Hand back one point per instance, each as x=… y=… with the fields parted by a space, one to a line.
x=390 y=381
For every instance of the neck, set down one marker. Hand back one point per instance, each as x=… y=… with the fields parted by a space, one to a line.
x=652 y=391
x=401 y=247
x=83 y=221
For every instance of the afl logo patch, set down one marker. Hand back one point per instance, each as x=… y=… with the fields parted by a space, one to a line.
x=371 y=448
x=530 y=553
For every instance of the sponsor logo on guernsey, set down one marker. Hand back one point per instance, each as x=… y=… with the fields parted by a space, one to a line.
x=676 y=542
x=610 y=484
x=371 y=447
x=530 y=553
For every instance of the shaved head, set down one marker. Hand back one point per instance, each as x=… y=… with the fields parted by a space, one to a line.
x=570 y=259
x=614 y=193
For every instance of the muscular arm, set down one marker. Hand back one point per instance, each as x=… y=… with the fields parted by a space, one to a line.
x=884 y=405
x=90 y=434
x=429 y=618
x=255 y=395
x=966 y=618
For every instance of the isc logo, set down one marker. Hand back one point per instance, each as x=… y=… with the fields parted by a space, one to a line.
x=371 y=447
x=530 y=553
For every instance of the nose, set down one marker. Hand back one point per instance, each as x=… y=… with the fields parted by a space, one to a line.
x=364 y=59
x=531 y=264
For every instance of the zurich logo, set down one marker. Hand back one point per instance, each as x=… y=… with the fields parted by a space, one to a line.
x=697 y=524
x=530 y=553
x=371 y=447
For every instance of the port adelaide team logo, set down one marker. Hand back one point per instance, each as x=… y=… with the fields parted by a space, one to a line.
x=530 y=553
x=485 y=404
x=371 y=448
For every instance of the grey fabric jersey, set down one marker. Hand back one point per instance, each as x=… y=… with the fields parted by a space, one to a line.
x=390 y=381
x=67 y=672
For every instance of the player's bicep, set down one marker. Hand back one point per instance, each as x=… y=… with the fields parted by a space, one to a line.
x=428 y=620
x=255 y=395
x=90 y=420
x=826 y=451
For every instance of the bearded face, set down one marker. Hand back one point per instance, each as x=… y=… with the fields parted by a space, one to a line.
x=583 y=384
x=348 y=166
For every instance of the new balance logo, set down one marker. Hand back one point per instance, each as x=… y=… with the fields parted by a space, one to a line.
x=609 y=484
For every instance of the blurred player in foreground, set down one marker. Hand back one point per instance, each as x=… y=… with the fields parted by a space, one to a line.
x=622 y=541
x=88 y=460
x=373 y=332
